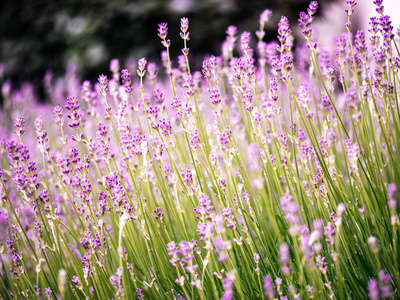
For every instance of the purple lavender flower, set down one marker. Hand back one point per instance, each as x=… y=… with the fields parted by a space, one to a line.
x=184 y=28
x=77 y=282
x=283 y=30
x=159 y=96
x=290 y=208
x=184 y=24
x=72 y=104
x=312 y=8
x=114 y=65
x=163 y=30
x=278 y=282
x=19 y=126
x=360 y=44
x=140 y=294
x=378 y=2
x=103 y=85
x=310 y=291
x=164 y=127
x=392 y=190
x=386 y=288
x=141 y=67
x=126 y=77
x=304 y=23
x=268 y=286
x=41 y=135
x=350 y=10
x=373 y=289
x=231 y=30
x=340 y=209
x=228 y=285
x=303 y=97
x=49 y=293
x=172 y=249
x=244 y=41
x=182 y=63
x=265 y=16
x=116 y=282
x=162 y=33
x=285 y=258
x=4 y=228
x=58 y=116
x=330 y=232
x=221 y=248
x=321 y=263
x=152 y=70
x=284 y=253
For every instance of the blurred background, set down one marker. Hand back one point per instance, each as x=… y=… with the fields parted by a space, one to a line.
x=83 y=36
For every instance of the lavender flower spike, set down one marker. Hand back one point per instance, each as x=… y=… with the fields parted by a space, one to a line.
x=4 y=227
x=19 y=126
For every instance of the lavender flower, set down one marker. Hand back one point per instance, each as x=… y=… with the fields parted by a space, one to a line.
x=41 y=135
x=140 y=294
x=269 y=291
x=244 y=41
x=78 y=284
x=4 y=227
x=141 y=67
x=116 y=282
x=330 y=233
x=216 y=166
x=285 y=258
x=114 y=68
x=184 y=34
x=386 y=288
x=103 y=85
x=350 y=10
x=19 y=126
x=392 y=190
x=310 y=291
x=312 y=8
x=373 y=288
x=228 y=284
x=58 y=116
x=162 y=33
x=163 y=30
x=284 y=32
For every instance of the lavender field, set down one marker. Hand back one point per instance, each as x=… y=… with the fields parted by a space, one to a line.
x=271 y=173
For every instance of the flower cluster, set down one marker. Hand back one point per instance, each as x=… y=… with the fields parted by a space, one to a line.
x=269 y=173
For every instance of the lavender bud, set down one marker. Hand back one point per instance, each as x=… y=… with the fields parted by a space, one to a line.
x=141 y=67
x=392 y=190
x=310 y=291
x=19 y=125
x=372 y=244
x=265 y=16
x=4 y=228
x=103 y=85
x=139 y=293
x=373 y=289
x=269 y=291
x=163 y=30
x=58 y=116
x=341 y=209
x=351 y=3
x=114 y=68
x=77 y=282
x=256 y=258
x=386 y=288
x=284 y=254
x=312 y=8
